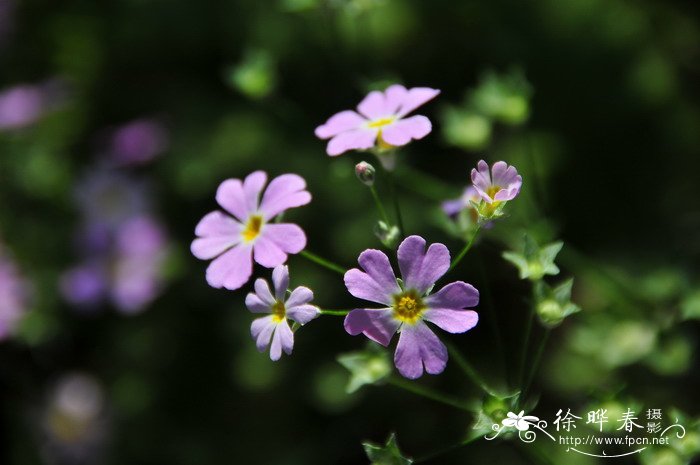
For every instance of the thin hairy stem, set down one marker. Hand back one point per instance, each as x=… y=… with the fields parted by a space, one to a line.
x=466 y=248
x=322 y=262
x=428 y=393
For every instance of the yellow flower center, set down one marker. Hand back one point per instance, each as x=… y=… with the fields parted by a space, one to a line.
x=252 y=228
x=378 y=123
x=408 y=306
x=493 y=190
x=278 y=311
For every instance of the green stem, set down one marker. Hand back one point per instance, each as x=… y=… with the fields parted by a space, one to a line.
x=428 y=393
x=440 y=452
x=466 y=248
x=526 y=345
x=535 y=363
x=395 y=199
x=467 y=368
x=322 y=261
x=380 y=206
x=335 y=312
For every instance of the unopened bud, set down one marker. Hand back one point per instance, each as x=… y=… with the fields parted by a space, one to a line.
x=365 y=173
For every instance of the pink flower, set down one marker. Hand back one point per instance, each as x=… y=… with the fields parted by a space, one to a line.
x=500 y=185
x=233 y=241
x=379 y=121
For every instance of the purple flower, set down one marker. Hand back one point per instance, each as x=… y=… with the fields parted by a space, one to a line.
x=126 y=269
x=274 y=330
x=408 y=305
x=25 y=104
x=500 y=185
x=233 y=241
x=14 y=296
x=138 y=142
x=379 y=121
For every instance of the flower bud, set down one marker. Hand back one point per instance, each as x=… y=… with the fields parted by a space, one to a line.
x=365 y=173
x=387 y=234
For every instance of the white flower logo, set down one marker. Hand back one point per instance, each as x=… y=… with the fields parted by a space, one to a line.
x=519 y=421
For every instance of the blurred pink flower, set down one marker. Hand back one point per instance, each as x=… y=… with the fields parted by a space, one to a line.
x=380 y=121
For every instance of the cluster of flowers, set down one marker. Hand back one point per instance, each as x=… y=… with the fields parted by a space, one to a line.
x=246 y=232
x=122 y=244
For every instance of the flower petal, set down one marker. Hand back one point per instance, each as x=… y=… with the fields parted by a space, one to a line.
x=255 y=304
x=219 y=232
x=377 y=283
x=452 y=321
x=299 y=296
x=284 y=192
x=252 y=187
x=373 y=105
x=261 y=329
x=340 y=122
x=287 y=236
x=394 y=97
x=282 y=339
x=231 y=197
x=302 y=314
x=377 y=324
x=262 y=290
x=232 y=269
x=402 y=131
x=481 y=180
x=268 y=253
x=455 y=296
x=418 y=346
x=356 y=139
x=416 y=97
x=420 y=268
x=280 y=280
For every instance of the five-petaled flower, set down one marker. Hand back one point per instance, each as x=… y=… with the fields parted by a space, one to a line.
x=407 y=305
x=273 y=330
x=521 y=422
x=380 y=121
x=233 y=241
x=500 y=185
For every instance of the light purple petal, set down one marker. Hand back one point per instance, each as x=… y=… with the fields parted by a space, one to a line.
x=262 y=290
x=284 y=192
x=511 y=191
x=261 y=329
x=280 y=280
x=231 y=197
x=456 y=295
x=299 y=296
x=394 y=97
x=377 y=324
x=252 y=187
x=481 y=180
x=340 y=122
x=373 y=105
x=356 y=139
x=402 y=131
x=416 y=97
x=302 y=314
x=420 y=268
x=377 y=283
x=500 y=173
x=232 y=269
x=418 y=347
x=282 y=339
x=452 y=321
x=452 y=207
x=256 y=305
x=218 y=233
x=289 y=237
x=268 y=253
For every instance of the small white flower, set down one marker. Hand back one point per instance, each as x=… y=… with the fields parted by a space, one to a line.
x=520 y=421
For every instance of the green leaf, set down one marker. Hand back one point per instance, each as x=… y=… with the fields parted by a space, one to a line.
x=388 y=454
